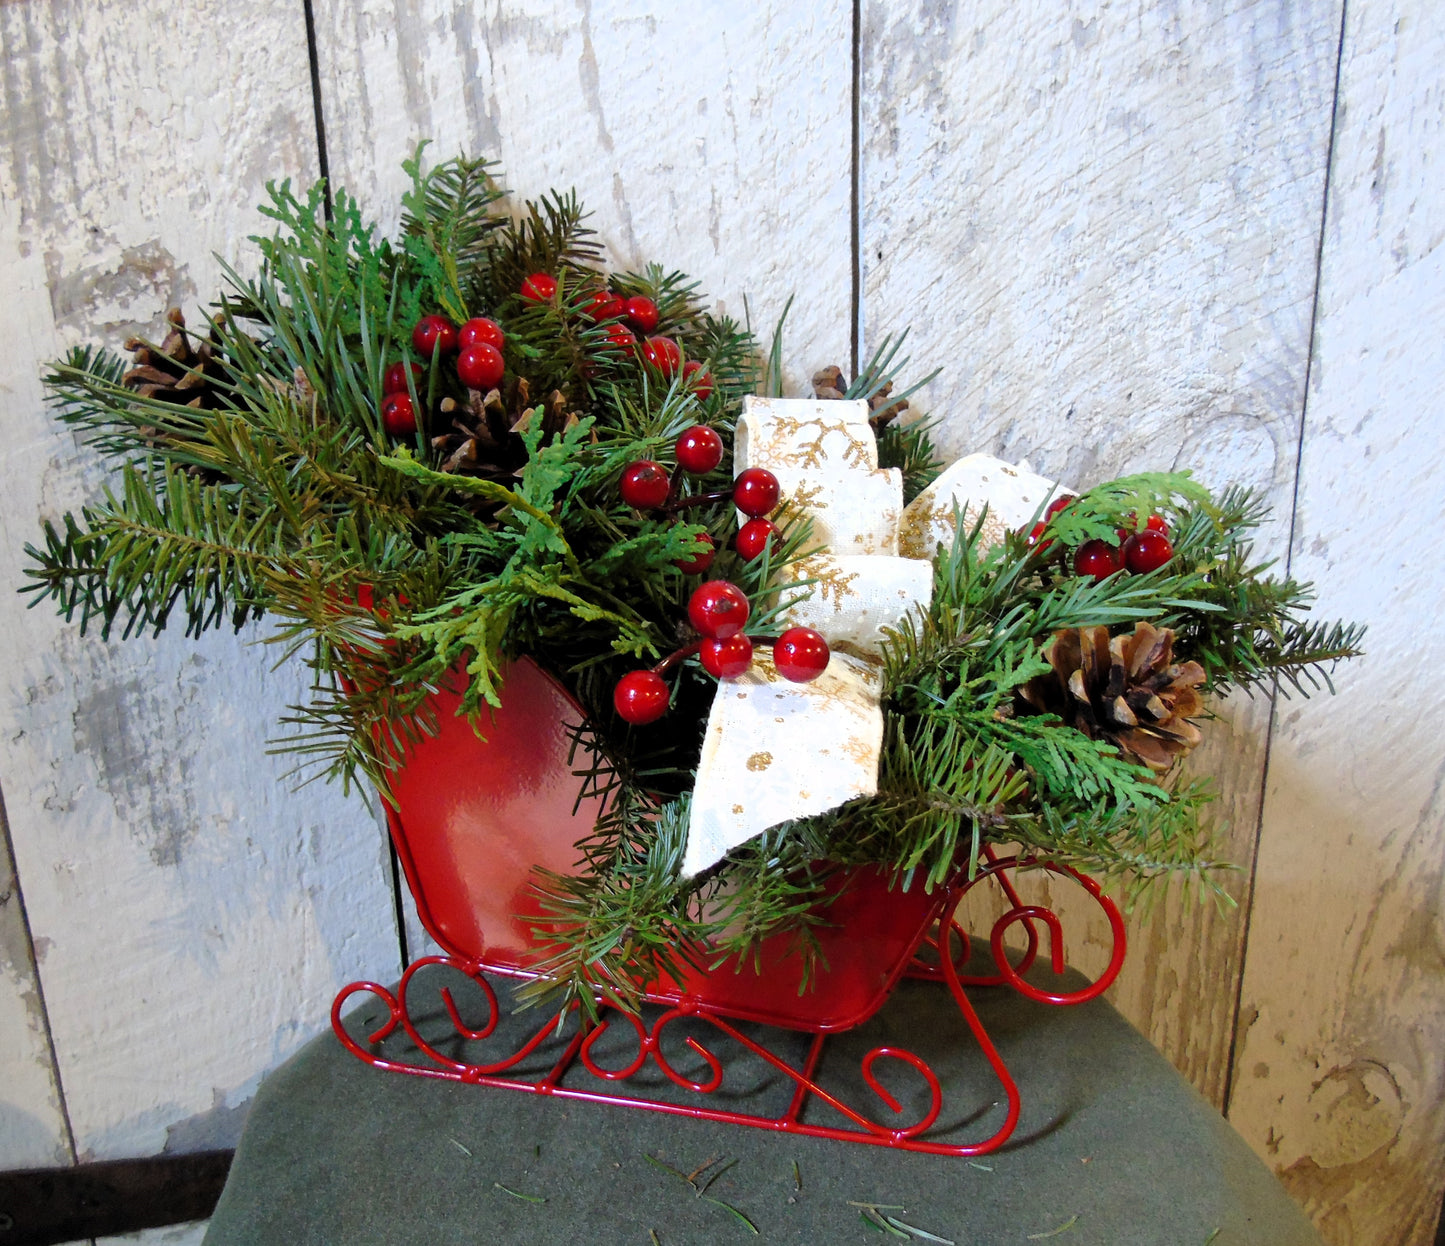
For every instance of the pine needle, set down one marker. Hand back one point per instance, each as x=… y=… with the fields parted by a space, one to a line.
x=875 y=1214
x=1063 y=1228
x=526 y=1198
x=657 y=1163
x=703 y=1188
x=915 y=1231
x=870 y=1217
x=732 y=1211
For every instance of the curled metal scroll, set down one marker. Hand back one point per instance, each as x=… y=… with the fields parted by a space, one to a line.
x=949 y=943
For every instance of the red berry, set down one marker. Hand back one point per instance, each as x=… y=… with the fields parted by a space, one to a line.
x=621 y=337
x=700 y=561
x=800 y=655
x=398 y=415
x=433 y=332
x=1147 y=551
x=1157 y=523
x=480 y=367
x=699 y=450
x=539 y=287
x=753 y=538
x=365 y=596
x=755 y=492
x=663 y=354
x=718 y=609
x=1035 y=536
x=605 y=306
x=645 y=484
x=478 y=330
x=641 y=313
x=700 y=381
x=1098 y=559
x=640 y=697
x=393 y=380
x=726 y=659
x=1057 y=505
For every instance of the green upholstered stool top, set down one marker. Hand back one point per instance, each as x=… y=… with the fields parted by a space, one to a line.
x=1113 y=1148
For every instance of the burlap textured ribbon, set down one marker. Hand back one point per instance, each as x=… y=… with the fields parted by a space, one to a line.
x=774 y=750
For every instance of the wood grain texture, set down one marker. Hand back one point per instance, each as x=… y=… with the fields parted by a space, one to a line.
x=712 y=139
x=191 y=916
x=1339 y=1081
x=32 y=1126
x=1103 y=223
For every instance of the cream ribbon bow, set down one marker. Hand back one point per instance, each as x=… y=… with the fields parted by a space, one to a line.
x=775 y=750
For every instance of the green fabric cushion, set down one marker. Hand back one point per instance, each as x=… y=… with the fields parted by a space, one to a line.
x=1111 y=1141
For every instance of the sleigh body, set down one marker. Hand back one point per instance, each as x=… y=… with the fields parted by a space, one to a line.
x=471 y=819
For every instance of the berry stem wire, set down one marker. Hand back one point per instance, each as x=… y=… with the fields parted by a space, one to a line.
x=675 y=485
x=674 y=504
x=676 y=656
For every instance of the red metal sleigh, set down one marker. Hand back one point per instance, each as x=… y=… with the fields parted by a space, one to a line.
x=472 y=819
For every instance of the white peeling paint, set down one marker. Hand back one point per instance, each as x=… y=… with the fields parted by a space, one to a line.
x=711 y=139
x=1339 y=1081
x=192 y=917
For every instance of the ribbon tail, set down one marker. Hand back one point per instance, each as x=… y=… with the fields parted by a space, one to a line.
x=776 y=751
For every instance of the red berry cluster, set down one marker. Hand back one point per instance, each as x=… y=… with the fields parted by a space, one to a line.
x=647 y=485
x=627 y=319
x=478 y=348
x=719 y=611
x=1138 y=552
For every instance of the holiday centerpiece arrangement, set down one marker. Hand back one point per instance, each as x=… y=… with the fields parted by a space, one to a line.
x=791 y=647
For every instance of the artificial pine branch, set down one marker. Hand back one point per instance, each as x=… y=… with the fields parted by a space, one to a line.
x=447 y=220
x=389 y=563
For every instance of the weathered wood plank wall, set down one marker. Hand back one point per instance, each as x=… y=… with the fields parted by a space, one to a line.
x=1104 y=223
x=191 y=916
x=1339 y=1078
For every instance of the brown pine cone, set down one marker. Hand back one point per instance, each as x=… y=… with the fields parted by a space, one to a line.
x=882 y=411
x=483 y=436
x=1127 y=690
x=830 y=383
x=181 y=370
